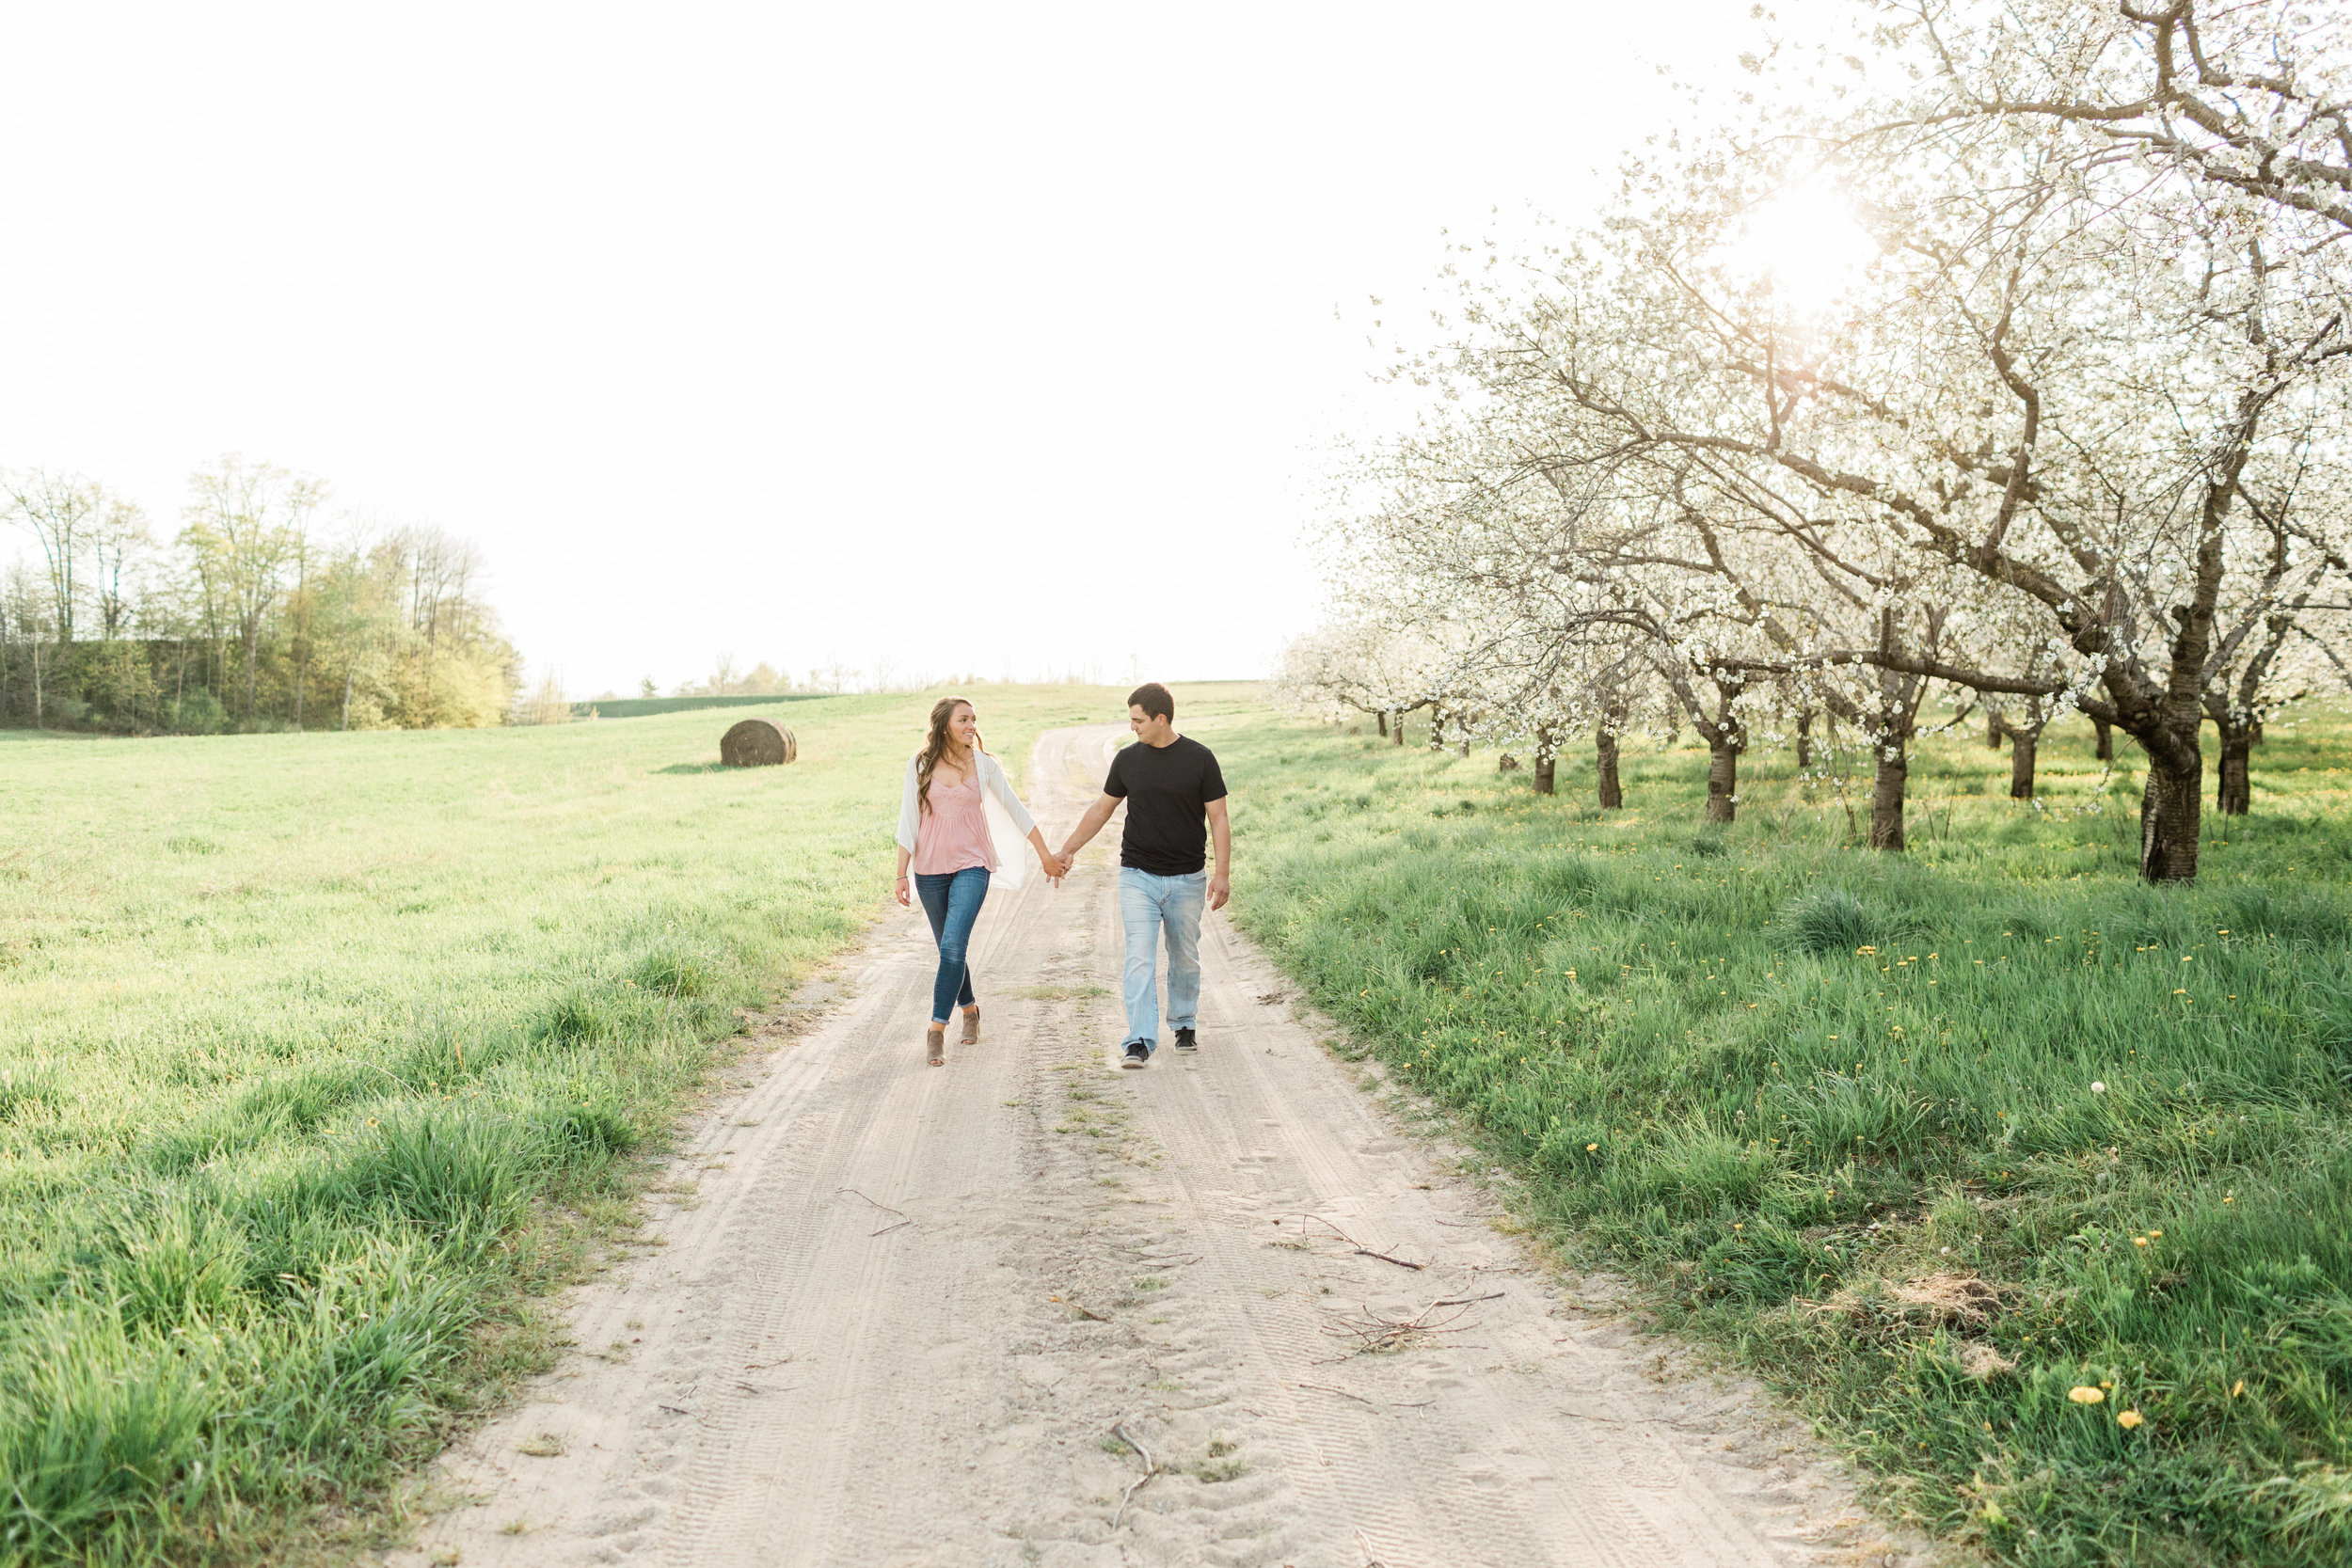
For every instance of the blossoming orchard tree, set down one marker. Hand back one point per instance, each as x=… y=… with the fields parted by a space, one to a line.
x=1543 y=580
x=1359 y=666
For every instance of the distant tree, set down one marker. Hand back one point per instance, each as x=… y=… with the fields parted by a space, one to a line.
x=1356 y=666
x=120 y=549
x=545 y=703
x=245 y=524
x=26 y=609
x=64 y=513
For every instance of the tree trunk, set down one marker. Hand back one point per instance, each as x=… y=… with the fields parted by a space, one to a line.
x=1605 y=767
x=2023 y=745
x=1382 y=718
x=1399 y=736
x=1992 y=729
x=1805 y=739
x=2168 y=809
x=1887 y=797
x=1506 y=763
x=1546 y=765
x=2237 y=795
x=2107 y=739
x=1723 y=780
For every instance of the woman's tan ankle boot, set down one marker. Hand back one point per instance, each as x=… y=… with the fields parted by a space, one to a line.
x=935 y=1039
x=972 y=1024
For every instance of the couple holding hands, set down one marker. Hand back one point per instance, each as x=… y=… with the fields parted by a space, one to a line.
x=1175 y=805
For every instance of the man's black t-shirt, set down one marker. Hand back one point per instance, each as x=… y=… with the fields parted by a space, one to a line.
x=1168 y=790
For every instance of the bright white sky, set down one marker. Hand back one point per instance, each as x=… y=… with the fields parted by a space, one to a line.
x=985 y=338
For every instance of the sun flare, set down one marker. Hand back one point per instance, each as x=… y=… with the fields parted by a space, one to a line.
x=1805 y=242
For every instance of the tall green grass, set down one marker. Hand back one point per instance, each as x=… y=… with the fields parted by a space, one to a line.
x=303 y=1038
x=1932 y=1141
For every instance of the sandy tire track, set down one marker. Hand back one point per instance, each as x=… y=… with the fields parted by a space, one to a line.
x=794 y=1377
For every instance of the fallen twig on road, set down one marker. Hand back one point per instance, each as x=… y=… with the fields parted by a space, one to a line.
x=1387 y=1334
x=1324 y=1388
x=884 y=1207
x=1360 y=1249
x=1149 y=1469
x=1376 y=1404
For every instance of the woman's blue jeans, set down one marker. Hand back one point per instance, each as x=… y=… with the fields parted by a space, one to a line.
x=953 y=900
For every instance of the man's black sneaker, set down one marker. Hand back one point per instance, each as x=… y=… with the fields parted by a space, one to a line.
x=1184 y=1040
x=1138 y=1052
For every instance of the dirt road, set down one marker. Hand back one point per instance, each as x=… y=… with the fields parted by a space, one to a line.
x=897 y=1314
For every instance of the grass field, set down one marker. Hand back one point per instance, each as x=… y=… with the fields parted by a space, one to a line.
x=2031 y=1182
x=306 y=1042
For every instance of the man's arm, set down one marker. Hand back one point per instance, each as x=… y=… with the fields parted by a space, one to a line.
x=1088 y=824
x=1221 y=837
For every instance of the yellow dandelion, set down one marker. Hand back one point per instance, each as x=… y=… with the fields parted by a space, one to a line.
x=2086 y=1396
x=2238 y=1388
x=1590 y=1147
x=2128 y=1419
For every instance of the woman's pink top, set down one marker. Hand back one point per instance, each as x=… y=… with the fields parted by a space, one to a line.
x=953 y=834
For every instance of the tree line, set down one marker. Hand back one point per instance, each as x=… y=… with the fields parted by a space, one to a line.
x=2068 y=435
x=254 y=614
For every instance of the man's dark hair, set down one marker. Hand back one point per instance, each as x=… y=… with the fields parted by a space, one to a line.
x=1154 y=698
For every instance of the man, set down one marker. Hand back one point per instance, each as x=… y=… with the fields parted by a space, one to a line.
x=1175 y=803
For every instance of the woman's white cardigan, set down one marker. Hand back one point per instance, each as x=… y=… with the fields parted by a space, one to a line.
x=1009 y=823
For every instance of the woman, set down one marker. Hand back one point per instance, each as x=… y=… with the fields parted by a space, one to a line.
x=944 y=832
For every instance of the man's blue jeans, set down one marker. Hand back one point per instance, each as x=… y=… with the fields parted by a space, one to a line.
x=953 y=900
x=1149 y=905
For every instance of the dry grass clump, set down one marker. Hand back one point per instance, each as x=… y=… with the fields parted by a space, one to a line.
x=1982 y=1361
x=1950 y=1298
x=1945 y=1299
x=1957 y=1300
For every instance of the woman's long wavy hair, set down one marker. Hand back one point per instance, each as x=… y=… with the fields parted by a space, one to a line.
x=935 y=747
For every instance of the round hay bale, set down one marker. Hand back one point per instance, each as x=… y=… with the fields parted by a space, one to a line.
x=757 y=743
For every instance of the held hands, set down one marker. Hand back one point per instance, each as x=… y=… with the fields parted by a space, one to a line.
x=1056 y=866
